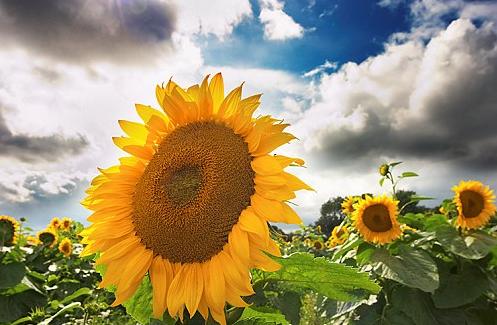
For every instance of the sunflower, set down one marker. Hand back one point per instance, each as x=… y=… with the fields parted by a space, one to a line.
x=317 y=244
x=340 y=234
x=65 y=224
x=65 y=247
x=47 y=237
x=32 y=240
x=9 y=227
x=475 y=204
x=348 y=205
x=376 y=219
x=55 y=223
x=191 y=205
x=384 y=169
x=330 y=243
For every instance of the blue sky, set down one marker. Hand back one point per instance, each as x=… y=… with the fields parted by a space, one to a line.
x=337 y=31
x=361 y=82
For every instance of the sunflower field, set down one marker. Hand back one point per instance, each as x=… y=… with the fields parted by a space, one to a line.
x=182 y=231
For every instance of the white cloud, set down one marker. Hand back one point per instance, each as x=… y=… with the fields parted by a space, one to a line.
x=321 y=68
x=278 y=25
x=217 y=17
x=428 y=105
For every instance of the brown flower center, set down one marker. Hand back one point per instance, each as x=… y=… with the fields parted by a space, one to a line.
x=193 y=191
x=472 y=203
x=377 y=218
x=7 y=231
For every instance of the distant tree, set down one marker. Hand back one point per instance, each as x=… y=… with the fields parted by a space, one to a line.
x=331 y=215
x=404 y=197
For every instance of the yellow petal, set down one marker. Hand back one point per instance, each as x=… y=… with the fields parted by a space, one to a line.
x=194 y=278
x=216 y=87
x=268 y=209
x=287 y=161
x=231 y=102
x=174 y=108
x=239 y=245
x=158 y=278
x=147 y=112
x=134 y=130
x=205 y=99
x=271 y=142
x=266 y=165
x=282 y=193
x=295 y=183
x=118 y=250
x=251 y=222
x=290 y=215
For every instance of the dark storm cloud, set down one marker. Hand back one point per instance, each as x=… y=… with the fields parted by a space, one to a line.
x=38 y=148
x=81 y=30
x=452 y=109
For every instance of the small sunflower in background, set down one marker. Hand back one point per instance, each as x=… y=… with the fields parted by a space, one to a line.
x=65 y=224
x=318 y=244
x=54 y=223
x=475 y=204
x=65 y=247
x=348 y=205
x=308 y=242
x=376 y=219
x=47 y=237
x=190 y=205
x=384 y=169
x=340 y=234
x=9 y=228
x=32 y=240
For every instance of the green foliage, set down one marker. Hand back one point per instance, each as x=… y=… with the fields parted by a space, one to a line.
x=434 y=273
x=252 y=316
x=336 y=281
x=411 y=267
x=39 y=285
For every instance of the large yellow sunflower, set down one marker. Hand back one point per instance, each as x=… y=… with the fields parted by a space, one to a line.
x=475 y=204
x=190 y=206
x=9 y=227
x=376 y=219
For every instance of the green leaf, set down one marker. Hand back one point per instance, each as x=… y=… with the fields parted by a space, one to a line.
x=408 y=174
x=418 y=306
x=411 y=267
x=18 y=305
x=416 y=198
x=333 y=280
x=289 y=304
x=261 y=316
x=78 y=293
x=140 y=305
x=395 y=163
x=474 y=245
x=62 y=311
x=460 y=289
x=352 y=242
x=382 y=180
x=11 y=274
